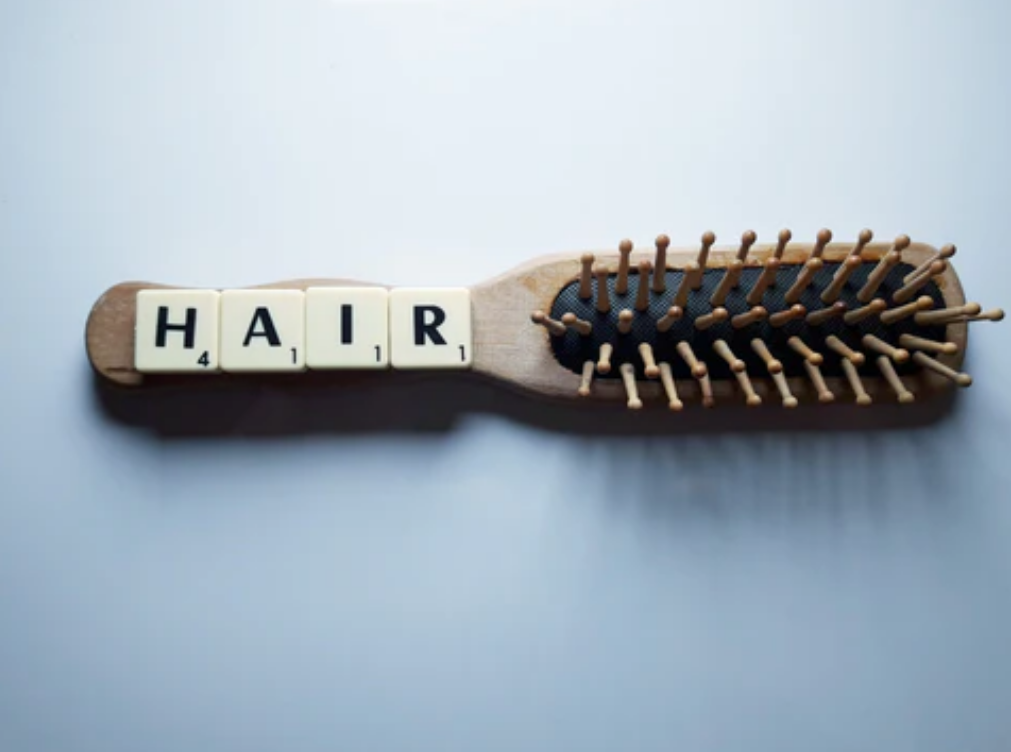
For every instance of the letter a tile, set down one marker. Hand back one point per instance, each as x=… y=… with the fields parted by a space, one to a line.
x=262 y=330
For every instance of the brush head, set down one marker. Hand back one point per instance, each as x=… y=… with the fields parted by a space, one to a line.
x=804 y=338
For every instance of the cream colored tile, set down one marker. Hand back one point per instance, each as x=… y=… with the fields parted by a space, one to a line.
x=176 y=331
x=430 y=328
x=262 y=330
x=347 y=327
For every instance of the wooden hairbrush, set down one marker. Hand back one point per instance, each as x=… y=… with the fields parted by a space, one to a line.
x=785 y=323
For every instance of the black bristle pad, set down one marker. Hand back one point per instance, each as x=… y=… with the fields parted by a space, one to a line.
x=572 y=350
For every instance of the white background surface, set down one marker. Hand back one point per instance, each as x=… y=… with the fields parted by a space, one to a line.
x=487 y=582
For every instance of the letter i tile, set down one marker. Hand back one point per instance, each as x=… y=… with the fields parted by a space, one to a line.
x=347 y=327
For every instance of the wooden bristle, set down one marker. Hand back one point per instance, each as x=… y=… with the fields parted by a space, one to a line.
x=782 y=318
x=800 y=347
x=784 y=390
x=717 y=316
x=706 y=387
x=907 y=291
x=994 y=314
x=765 y=280
x=604 y=358
x=685 y=288
x=625 y=319
x=945 y=253
x=741 y=320
x=585 y=275
x=804 y=279
x=621 y=283
x=586 y=379
x=924 y=360
x=698 y=368
x=877 y=276
x=627 y=371
x=863 y=398
x=817 y=318
x=814 y=373
x=555 y=328
x=603 y=295
x=873 y=308
x=642 y=293
x=660 y=264
x=923 y=303
x=585 y=328
x=751 y=398
x=708 y=239
x=649 y=363
x=823 y=239
x=888 y=371
x=947 y=315
x=898 y=354
x=927 y=345
x=670 y=389
x=839 y=279
x=762 y=350
x=721 y=348
x=785 y=236
x=839 y=347
x=673 y=315
x=731 y=277
x=747 y=240
x=865 y=237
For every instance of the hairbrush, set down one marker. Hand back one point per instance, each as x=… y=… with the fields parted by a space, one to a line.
x=785 y=323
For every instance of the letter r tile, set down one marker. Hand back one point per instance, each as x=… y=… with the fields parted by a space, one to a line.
x=430 y=328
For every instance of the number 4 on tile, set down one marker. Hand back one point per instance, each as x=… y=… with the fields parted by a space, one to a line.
x=176 y=331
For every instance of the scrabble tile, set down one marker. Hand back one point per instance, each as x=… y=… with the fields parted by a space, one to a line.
x=430 y=328
x=176 y=331
x=347 y=327
x=262 y=330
